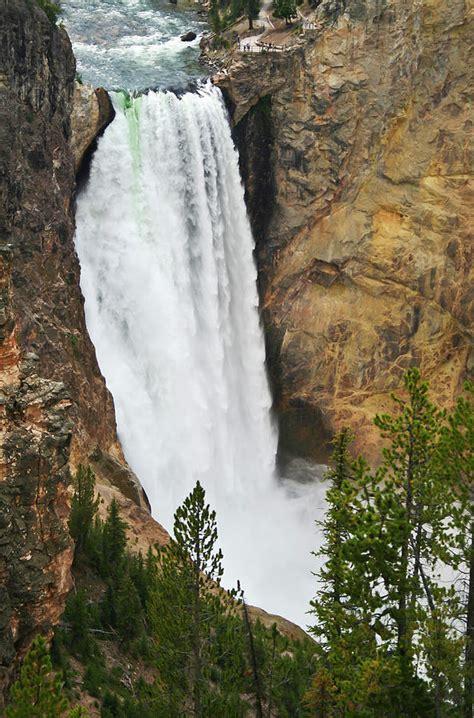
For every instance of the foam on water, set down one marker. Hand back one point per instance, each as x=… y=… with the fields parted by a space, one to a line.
x=133 y=45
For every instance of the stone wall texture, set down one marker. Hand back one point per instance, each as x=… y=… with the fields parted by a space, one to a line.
x=55 y=410
x=363 y=208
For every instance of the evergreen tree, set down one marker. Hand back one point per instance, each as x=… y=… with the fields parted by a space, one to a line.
x=383 y=609
x=127 y=577
x=185 y=609
x=138 y=573
x=412 y=504
x=83 y=508
x=77 y=616
x=114 y=542
x=128 y=610
x=285 y=667
x=52 y=9
x=38 y=693
x=456 y=469
x=252 y=9
x=344 y=606
x=285 y=9
x=257 y=683
x=214 y=16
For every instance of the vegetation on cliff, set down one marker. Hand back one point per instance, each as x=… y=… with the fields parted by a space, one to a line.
x=52 y=9
x=394 y=622
x=286 y=9
x=393 y=610
x=156 y=635
x=39 y=692
x=224 y=13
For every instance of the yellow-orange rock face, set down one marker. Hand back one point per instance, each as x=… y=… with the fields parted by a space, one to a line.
x=366 y=253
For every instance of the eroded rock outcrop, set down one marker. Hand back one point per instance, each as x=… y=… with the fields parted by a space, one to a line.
x=92 y=111
x=55 y=410
x=364 y=241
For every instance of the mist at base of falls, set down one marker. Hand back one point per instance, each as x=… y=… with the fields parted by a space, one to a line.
x=169 y=280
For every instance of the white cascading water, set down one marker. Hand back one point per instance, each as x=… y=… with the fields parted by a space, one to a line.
x=171 y=304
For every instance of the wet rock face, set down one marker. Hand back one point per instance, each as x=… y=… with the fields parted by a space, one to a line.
x=54 y=407
x=366 y=257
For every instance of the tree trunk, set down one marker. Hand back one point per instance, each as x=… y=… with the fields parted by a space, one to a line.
x=439 y=708
x=270 y=682
x=469 y=652
x=197 y=669
x=256 y=676
x=404 y=641
x=250 y=22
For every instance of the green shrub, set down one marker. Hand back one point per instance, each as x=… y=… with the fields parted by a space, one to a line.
x=95 y=677
x=38 y=691
x=52 y=9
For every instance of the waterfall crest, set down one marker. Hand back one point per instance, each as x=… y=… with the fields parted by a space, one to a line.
x=171 y=304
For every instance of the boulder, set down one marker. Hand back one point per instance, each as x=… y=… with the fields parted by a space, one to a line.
x=188 y=37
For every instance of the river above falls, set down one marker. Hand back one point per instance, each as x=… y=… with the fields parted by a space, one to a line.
x=134 y=44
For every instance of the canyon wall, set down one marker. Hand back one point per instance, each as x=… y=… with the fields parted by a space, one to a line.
x=356 y=150
x=55 y=410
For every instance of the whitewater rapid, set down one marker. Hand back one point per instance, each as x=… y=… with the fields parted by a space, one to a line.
x=169 y=279
x=133 y=44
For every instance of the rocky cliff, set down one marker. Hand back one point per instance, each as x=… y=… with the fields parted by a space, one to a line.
x=92 y=112
x=55 y=410
x=355 y=150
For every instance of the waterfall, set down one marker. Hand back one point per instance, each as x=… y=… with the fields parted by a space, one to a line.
x=169 y=279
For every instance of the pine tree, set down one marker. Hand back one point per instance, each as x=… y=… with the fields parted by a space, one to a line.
x=257 y=683
x=214 y=16
x=456 y=470
x=138 y=573
x=383 y=609
x=323 y=697
x=343 y=606
x=114 y=542
x=79 y=622
x=285 y=9
x=185 y=609
x=83 y=507
x=252 y=9
x=334 y=606
x=38 y=693
x=52 y=9
x=128 y=610
x=413 y=505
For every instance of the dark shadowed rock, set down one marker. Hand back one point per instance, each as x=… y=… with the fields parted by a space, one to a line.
x=189 y=36
x=55 y=410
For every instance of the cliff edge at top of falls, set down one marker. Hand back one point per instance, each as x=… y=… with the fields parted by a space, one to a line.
x=55 y=410
x=356 y=152
x=92 y=112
